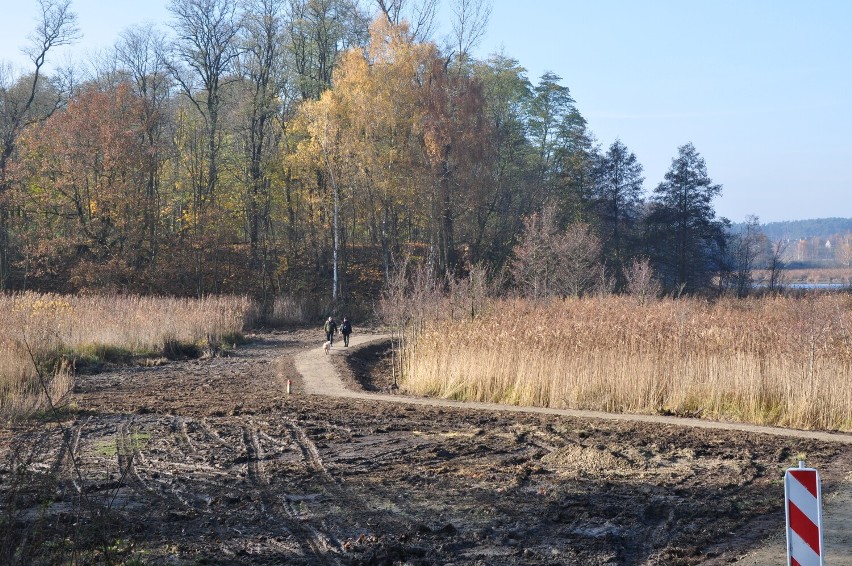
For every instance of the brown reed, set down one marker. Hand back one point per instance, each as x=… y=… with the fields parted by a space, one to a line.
x=35 y=327
x=773 y=360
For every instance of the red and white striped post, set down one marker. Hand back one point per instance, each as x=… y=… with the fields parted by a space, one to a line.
x=803 y=503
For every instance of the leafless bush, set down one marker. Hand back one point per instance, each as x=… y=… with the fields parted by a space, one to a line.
x=415 y=300
x=409 y=300
x=468 y=296
x=45 y=498
x=642 y=283
x=580 y=270
x=548 y=262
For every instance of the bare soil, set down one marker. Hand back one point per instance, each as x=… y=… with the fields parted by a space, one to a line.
x=212 y=462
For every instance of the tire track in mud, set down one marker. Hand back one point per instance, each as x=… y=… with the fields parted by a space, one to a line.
x=68 y=449
x=280 y=509
x=358 y=501
x=254 y=456
x=126 y=452
x=179 y=430
x=309 y=450
x=317 y=540
x=321 y=378
x=166 y=491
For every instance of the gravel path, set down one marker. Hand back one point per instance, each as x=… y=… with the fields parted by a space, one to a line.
x=321 y=378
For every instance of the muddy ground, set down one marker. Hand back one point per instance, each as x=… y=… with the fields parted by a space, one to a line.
x=211 y=462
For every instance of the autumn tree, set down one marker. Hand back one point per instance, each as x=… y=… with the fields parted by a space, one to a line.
x=262 y=81
x=319 y=32
x=366 y=136
x=509 y=157
x=454 y=135
x=202 y=63
x=141 y=53
x=83 y=174
x=25 y=100
x=206 y=48
x=419 y=15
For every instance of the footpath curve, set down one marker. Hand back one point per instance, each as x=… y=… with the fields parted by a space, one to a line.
x=321 y=378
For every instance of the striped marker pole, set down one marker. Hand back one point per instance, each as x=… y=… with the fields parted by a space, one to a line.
x=803 y=502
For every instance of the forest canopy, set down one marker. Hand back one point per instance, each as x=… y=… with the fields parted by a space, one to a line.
x=313 y=147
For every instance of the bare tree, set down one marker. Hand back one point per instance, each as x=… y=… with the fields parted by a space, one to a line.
x=642 y=283
x=142 y=54
x=580 y=271
x=548 y=262
x=420 y=15
x=470 y=21
x=319 y=30
x=56 y=26
x=260 y=68
x=776 y=266
x=206 y=44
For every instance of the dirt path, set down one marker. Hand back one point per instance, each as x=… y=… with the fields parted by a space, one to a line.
x=321 y=378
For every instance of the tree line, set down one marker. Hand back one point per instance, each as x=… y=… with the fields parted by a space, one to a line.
x=314 y=146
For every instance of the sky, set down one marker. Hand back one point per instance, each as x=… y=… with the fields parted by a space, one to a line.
x=761 y=88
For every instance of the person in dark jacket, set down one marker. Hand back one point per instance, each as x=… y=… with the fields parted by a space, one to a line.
x=346 y=330
x=330 y=329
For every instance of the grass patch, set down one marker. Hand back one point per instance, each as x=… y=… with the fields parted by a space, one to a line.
x=62 y=412
x=234 y=339
x=127 y=445
x=90 y=358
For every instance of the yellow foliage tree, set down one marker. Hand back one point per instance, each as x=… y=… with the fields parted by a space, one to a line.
x=390 y=140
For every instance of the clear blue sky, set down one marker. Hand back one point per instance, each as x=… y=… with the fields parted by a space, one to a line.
x=762 y=88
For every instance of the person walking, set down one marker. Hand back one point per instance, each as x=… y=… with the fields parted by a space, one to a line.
x=330 y=330
x=346 y=330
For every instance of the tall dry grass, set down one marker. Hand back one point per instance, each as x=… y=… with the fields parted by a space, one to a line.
x=774 y=360
x=36 y=328
x=838 y=275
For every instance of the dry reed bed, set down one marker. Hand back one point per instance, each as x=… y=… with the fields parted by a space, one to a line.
x=774 y=360
x=840 y=275
x=35 y=326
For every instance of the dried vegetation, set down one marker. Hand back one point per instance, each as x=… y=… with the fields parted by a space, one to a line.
x=783 y=361
x=44 y=337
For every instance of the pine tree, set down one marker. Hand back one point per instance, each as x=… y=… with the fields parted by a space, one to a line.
x=686 y=239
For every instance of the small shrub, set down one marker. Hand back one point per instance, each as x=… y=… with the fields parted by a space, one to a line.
x=174 y=349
